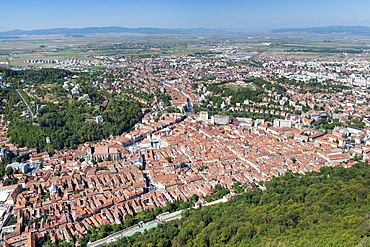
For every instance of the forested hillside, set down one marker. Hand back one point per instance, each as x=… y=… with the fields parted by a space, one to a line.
x=254 y=92
x=327 y=208
x=64 y=106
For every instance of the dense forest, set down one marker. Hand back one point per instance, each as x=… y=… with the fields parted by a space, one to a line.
x=47 y=75
x=254 y=93
x=65 y=119
x=68 y=126
x=326 y=208
x=313 y=86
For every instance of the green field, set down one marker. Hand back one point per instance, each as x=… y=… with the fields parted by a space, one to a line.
x=139 y=45
x=60 y=55
x=5 y=52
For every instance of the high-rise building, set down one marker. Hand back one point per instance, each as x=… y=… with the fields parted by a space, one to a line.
x=203 y=116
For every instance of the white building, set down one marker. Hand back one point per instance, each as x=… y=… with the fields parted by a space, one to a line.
x=280 y=123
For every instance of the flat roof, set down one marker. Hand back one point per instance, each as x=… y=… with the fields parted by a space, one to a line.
x=3 y=196
x=17 y=164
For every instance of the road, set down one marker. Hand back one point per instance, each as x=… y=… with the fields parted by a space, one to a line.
x=136 y=228
x=190 y=103
x=28 y=107
x=141 y=227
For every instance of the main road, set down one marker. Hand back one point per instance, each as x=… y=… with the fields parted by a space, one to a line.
x=28 y=107
x=188 y=98
x=141 y=227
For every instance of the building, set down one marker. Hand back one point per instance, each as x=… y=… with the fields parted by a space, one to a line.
x=293 y=117
x=105 y=152
x=99 y=119
x=354 y=131
x=203 y=116
x=21 y=167
x=9 y=193
x=220 y=119
x=243 y=122
x=4 y=153
x=27 y=239
x=280 y=123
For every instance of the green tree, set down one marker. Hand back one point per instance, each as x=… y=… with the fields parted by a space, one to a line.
x=9 y=171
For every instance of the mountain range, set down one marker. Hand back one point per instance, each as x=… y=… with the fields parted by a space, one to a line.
x=350 y=30
x=113 y=29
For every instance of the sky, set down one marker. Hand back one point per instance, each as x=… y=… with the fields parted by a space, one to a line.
x=213 y=14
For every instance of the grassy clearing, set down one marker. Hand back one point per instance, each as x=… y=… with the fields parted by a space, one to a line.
x=5 y=52
x=61 y=55
x=236 y=87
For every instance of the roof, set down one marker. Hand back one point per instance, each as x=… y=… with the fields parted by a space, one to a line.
x=17 y=165
x=3 y=196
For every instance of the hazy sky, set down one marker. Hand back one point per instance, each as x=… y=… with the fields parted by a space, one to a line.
x=234 y=14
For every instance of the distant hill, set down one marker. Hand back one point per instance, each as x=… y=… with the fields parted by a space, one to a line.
x=79 y=32
x=352 y=30
x=113 y=29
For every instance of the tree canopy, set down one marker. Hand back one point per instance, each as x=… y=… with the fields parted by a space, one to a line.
x=327 y=208
x=66 y=119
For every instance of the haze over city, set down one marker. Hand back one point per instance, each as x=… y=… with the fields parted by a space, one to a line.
x=235 y=14
x=184 y=123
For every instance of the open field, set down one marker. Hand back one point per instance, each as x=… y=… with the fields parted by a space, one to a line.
x=233 y=86
x=54 y=47
x=62 y=48
x=331 y=47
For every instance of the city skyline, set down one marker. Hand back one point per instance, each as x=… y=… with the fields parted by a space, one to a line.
x=235 y=14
